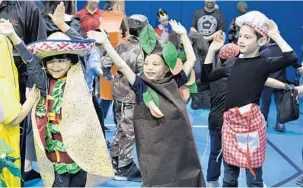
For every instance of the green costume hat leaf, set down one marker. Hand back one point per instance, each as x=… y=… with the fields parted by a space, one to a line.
x=182 y=56
x=148 y=39
x=170 y=54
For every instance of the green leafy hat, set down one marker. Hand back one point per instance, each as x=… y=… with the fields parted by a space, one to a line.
x=148 y=41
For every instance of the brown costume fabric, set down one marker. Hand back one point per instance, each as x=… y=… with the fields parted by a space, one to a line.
x=81 y=133
x=166 y=148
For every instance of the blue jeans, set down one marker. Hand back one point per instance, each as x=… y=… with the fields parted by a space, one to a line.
x=231 y=174
x=105 y=104
x=214 y=167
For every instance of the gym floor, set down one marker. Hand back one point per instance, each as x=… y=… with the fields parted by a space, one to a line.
x=283 y=163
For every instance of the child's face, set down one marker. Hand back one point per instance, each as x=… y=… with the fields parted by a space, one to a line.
x=58 y=68
x=164 y=22
x=248 y=43
x=154 y=67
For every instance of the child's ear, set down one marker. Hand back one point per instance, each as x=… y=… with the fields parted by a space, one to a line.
x=262 y=41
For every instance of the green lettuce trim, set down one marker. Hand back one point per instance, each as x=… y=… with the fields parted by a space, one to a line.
x=61 y=168
x=53 y=145
x=58 y=96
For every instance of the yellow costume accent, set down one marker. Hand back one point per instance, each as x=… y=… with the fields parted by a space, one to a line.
x=10 y=99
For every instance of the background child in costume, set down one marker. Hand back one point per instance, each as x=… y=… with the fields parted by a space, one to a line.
x=218 y=91
x=12 y=112
x=63 y=151
x=124 y=101
x=273 y=50
x=92 y=65
x=248 y=73
x=163 y=29
x=166 y=149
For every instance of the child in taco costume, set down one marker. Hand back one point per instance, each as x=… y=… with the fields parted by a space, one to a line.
x=11 y=114
x=70 y=148
x=166 y=149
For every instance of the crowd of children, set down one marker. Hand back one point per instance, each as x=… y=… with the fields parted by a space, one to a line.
x=150 y=89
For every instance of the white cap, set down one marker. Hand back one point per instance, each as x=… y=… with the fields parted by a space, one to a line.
x=256 y=20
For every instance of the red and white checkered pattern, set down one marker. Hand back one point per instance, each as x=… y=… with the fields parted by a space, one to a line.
x=235 y=123
x=49 y=48
x=229 y=51
x=260 y=30
x=256 y=20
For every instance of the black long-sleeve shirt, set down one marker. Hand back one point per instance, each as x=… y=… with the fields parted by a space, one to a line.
x=246 y=77
x=273 y=50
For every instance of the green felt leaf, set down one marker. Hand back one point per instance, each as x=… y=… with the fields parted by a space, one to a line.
x=150 y=95
x=58 y=96
x=5 y=148
x=12 y=159
x=2 y=183
x=182 y=56
x=148 y=39
x=12 y=168
x=193 y=88
x=170 y=55
x=40 y=111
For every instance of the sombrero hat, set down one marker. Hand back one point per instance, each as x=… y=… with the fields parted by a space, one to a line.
x=58 y=43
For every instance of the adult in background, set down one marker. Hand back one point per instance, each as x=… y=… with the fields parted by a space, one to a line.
x=50 y=7
x=90 y=16
x=233 y=33
x=208 y=20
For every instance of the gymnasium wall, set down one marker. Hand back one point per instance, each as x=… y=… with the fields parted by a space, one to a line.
x=287 y=14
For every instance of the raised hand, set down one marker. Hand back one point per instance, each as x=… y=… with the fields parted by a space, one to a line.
x=99 y=37
x=59 y=14
x=218 y=42
x=300 y=70
x=272 y=28
x=6 y=28
x=177 y=27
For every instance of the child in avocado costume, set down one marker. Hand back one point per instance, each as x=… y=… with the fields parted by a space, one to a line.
x=166 y=149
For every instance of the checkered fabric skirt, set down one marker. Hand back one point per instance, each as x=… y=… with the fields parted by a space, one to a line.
x=244 y=138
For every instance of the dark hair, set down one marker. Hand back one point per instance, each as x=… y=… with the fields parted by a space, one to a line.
x=258 y=35
x=134 y=31
x=51 y=5
x=72 y=57
x=108 y=6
